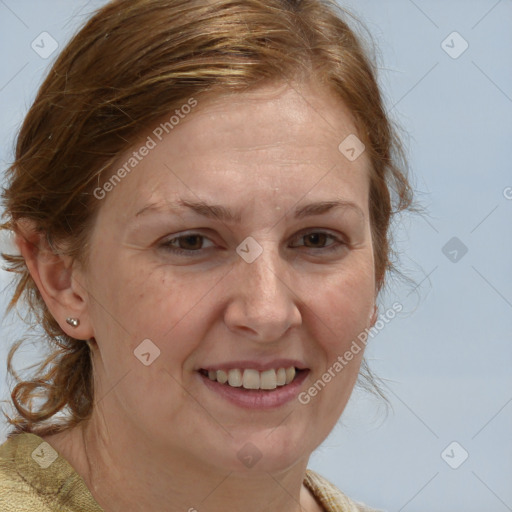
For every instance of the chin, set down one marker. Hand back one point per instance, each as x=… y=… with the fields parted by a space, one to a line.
x=271 y=450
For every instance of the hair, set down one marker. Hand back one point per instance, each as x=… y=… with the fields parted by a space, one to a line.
x=130 y=64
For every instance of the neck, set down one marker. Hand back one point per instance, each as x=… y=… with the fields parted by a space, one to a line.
x=124 y=471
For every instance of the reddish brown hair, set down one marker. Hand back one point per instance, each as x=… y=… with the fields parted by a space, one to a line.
x=129 y=65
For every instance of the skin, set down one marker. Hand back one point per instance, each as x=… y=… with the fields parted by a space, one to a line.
x=158 y=438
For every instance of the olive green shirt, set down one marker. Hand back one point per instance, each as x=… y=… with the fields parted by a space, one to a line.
x=35 y=478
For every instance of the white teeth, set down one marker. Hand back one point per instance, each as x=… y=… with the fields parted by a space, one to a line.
x=222 y=376
x=268 y=379
x=281 y=377
x=290 y=374
x=253 y=379
x=235 y=378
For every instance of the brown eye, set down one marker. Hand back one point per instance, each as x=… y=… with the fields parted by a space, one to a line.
x=316 y=238
x=187 y=244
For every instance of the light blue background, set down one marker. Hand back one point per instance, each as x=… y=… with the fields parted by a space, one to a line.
x=447 y=359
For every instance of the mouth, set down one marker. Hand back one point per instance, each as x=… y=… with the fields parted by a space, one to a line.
x=248 y=388
x=251 y=379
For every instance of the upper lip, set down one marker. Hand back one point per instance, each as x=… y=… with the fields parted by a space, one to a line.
x=256 y=365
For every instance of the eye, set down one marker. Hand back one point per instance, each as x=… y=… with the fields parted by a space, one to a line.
x=187 y=244
x=319 y=238
x=192 y=244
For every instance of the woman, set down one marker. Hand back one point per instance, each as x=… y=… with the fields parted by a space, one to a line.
x=197 y=376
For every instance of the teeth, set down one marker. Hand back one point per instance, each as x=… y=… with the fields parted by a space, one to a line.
x=253 y=379
x=290 y=374
x=281 y=377
x=222 y=376
x=235 y=378
x=268 y=379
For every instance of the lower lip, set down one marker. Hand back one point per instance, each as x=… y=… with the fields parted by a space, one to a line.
x=257 y=398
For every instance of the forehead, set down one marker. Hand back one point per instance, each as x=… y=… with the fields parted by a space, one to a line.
x=281 y=139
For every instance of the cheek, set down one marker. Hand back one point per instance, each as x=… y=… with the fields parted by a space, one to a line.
x=342 y=307
x=339 y=314
x=160 y=304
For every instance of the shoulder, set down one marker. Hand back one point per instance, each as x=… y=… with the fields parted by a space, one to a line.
x=16 y=493
x=330 y=497
x=34 y=477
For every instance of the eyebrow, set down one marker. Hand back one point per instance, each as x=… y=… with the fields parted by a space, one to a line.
x=219 y=212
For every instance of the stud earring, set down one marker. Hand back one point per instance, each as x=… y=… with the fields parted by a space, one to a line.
x=74 y=322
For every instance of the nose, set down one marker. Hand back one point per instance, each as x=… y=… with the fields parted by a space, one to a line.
x=262 y=302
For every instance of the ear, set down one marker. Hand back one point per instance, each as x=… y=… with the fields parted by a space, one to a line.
x=57 y=280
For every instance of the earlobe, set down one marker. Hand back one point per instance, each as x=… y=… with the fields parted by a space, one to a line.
x=55 y=277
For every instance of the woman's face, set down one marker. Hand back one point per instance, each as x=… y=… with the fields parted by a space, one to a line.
x=269 y=288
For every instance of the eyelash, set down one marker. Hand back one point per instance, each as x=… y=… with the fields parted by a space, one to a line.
x=166 y=245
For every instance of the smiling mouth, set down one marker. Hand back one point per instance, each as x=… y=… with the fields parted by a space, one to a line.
x=254 y=379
